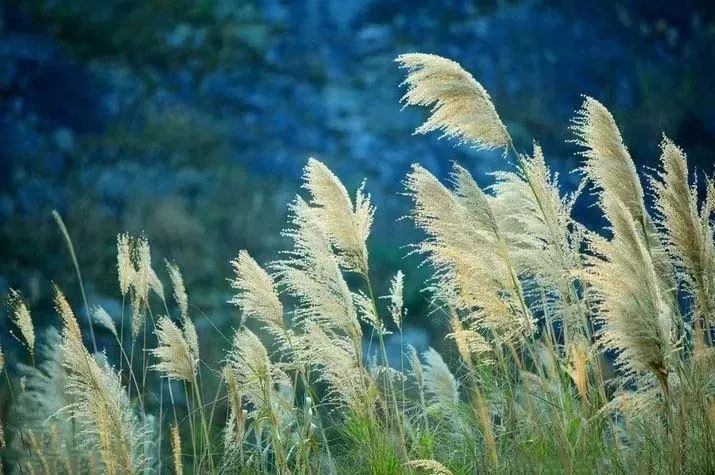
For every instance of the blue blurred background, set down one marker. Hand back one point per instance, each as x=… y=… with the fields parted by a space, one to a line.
x=191 y=120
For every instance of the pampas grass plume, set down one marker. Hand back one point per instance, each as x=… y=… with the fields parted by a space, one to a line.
x=22 y=319
x=461 y=107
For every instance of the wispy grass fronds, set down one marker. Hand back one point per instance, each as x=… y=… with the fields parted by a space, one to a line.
x=473 y=268
x=136 y=276
x=637 y=320
x=429 y=466
x=64 y=310
x=311 y=273
x=252 y=369
x=179 y=290
x=337 y=365
x=366 y=310
x=22 y=319
x=256 y=293
x=100 y=405
x=461 y=107
x=125 y=265
x=608 y=164
x=346 y=226
x=178 y=358
x=395 y=299
x=103 y=319
x=688 y=231
x=440 y=384
x=469 y=342
x=544 y=240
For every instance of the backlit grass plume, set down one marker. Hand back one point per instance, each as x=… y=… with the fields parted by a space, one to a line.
x=473 y=265
x=22 y=319
x=100 y=404
x=608 y=164
x=311 y=272
x=688 y=230
x=638 y=322
x=346 y=225
x=461 y=107
x=256 y=293
x=543 y=238
x=177 y=351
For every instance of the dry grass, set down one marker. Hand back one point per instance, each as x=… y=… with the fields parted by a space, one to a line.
x=533 y=300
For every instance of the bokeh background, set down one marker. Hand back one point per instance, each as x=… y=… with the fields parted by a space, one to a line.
x=190 y=120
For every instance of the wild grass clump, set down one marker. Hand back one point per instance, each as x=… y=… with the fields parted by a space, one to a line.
x=576 y=351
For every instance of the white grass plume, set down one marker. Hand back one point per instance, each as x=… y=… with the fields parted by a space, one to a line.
x=688 y=231
x=179 y=289
x=178 y=359
x=261 y=383
x=440 y=384
x=395 y=298
x=22 y=319
x=608 y=164
x=311 y=273
x=125 y=265
x=637 y=320
x=460 y=107
x=103 y=319
x=473 y=268
x=367 y=313
x=336 y=362
x=100 y=405
x=256 y=293
x=347 y=226
x=544 y=240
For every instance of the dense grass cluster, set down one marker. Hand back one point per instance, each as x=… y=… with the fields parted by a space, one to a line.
x=575 y=351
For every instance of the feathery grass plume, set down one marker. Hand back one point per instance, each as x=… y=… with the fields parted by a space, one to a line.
x=2 y=360
x=637 y=321
x=366 y=310
x=439 y=381
x=177 y=283
x=155 y=284
x=346 y=226
x=102 y=318
x=396 y=304
x=177 y=358
x=100 y=403
x=256 y=293
x=262 y=384
x=235 y=428
x=65 y=312
x=473 y=268
x=22 y=319
x=176 y=449
x=608 y=164
x=336 y=361
x=428 y=465
x=688 y=231
x=469 y=342
x=544 y=240
x=461 y=107
x=37 y=407
x=125 y=265
x=311 y=273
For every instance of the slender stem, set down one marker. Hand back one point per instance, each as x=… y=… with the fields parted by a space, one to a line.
x=70 y=247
